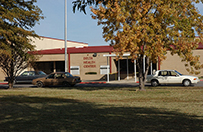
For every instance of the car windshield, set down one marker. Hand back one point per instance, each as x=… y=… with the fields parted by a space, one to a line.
x=179 y=73
x=42 y=73
x=68 y=74
x=51 y=76
x=26 y=73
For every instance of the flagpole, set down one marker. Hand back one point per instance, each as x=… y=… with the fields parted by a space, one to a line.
x=65 y=37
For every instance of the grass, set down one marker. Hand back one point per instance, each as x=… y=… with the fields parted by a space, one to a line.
x=92 y=109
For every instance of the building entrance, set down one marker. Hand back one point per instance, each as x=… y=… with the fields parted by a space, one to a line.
x=128 y=65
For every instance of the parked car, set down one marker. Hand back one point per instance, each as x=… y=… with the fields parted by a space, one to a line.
x=28 y=76
x=57 y=78
x=171 y=77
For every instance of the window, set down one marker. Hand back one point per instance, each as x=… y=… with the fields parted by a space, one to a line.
x=67 y=74
x=163 y=73
x=51 y=76
x=42 y=73
x=104 y=69
x=173 y=73
x=26 y=73
x=32 y=73
x=59 y=75
x=75 y=70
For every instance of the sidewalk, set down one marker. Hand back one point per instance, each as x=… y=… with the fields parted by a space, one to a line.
x=131 y=80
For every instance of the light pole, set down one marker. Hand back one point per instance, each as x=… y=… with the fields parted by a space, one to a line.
x=65 y=37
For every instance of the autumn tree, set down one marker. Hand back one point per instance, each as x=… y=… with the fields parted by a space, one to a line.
x=17 y=19
x=149 y=29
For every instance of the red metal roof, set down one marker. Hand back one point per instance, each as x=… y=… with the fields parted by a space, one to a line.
x=90 y=49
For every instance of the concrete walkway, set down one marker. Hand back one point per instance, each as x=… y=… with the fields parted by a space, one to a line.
x=123 y=81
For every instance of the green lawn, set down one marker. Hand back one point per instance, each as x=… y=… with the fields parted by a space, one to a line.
x=103 y=109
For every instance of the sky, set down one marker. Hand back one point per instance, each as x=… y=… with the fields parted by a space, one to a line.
x=80 y=27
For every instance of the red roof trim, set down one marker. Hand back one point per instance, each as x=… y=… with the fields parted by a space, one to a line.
x=90 y=49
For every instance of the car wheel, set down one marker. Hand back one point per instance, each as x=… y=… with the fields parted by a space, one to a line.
x=39 y=84
x=186 y=83
x=154 y=83
x=66 y=84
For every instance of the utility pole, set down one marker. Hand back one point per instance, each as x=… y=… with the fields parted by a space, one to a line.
x=65 y=37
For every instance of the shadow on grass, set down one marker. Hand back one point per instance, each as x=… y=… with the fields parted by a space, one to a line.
x=128 y=87
x=23 y=113
x=92 y=87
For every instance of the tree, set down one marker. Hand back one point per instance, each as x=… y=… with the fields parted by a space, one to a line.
x=17 y=19
x=150 y=28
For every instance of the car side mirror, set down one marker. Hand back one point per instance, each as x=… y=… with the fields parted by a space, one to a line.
x=177 y=75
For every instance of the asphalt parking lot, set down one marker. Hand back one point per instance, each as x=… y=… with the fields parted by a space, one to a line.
x=122 y=83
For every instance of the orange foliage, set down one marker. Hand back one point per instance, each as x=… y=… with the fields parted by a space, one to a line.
x=151 y=28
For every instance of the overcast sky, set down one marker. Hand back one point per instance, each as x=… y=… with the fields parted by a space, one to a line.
x=81 y=27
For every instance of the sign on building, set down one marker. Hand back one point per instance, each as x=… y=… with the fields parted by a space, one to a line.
x=104 y=69
x=75 y=70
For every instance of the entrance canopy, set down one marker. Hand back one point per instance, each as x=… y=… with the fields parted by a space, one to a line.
x=114 y=55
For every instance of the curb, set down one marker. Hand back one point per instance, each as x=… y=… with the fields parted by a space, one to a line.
x=2 y=83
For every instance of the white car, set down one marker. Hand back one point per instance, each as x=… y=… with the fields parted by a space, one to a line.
x=171 y=77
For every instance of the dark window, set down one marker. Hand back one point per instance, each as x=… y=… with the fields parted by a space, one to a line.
x=68 y=74
x=26 y=73
x=51 y=76
x=41 y=73
x=32 y=73
x=59 y=75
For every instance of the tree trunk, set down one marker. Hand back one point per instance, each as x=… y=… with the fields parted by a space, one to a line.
x=11 y=81
x=11 y=78
x=140 y=68
x=143 y=70
x=10 y=85
x=141 y=84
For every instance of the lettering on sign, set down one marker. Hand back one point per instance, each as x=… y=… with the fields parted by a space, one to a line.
x=87 y=58
x=89 y=66
x=88 y=62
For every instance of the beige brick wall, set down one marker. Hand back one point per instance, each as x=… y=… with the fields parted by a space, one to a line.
x=2 y=76
x=174 y=63
x=88 y=63
x=52 y=43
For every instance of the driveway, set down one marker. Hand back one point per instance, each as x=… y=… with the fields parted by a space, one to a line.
x=122 y=83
